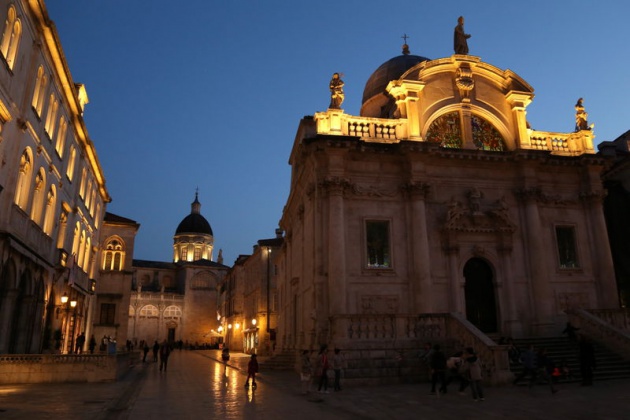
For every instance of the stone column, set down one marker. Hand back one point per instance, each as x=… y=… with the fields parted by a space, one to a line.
x=607 y=293
x=7 y=312
x=421 y=285
x=456 y=301
x=541 y=297
x=336 y=246
x=508 y=303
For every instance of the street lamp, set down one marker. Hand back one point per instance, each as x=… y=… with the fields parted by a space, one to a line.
x=268 y=285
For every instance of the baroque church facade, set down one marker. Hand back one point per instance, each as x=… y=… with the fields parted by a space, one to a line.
x=439 y=212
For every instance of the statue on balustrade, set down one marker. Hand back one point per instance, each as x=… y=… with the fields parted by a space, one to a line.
x=580 y=117
x=336 y=92
x=460 y=37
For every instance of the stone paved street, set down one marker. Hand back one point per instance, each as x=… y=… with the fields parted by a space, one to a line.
x=196 y=386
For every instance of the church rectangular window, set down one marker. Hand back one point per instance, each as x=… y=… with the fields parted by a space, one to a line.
x=567 y=249
x=377 y=244
x=108 y=314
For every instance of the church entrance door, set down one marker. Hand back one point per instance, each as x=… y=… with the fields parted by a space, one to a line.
x=481 y=308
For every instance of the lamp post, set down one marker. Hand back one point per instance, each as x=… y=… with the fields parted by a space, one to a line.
x=268 y=286
x=68 y=305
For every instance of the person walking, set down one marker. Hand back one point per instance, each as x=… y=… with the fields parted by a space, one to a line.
x=145 y=351
x=322 y=369
x=473 y=371
x=528 y=360
x=252 y=370
x=80 y=343
x=92 y=344
x=165 y=351
x=225 y=356
x=306 y=370
x=156 y=349
x=338 y=363
x=587 y=360
x=438 y=370
x=545 y=367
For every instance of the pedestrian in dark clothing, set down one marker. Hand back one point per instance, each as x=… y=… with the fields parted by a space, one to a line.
x=79 y=343
x=528 y=360
x=145 y=351
x=165 y=351
x=338 y=364
x=570 y=331
x=545 y=368
x=322 y=369
x=587 y=361
x=92 y=344
x=438 y=370
x=252 y=370
x=156 y=349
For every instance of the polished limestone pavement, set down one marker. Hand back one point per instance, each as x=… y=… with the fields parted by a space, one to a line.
x=198 y=386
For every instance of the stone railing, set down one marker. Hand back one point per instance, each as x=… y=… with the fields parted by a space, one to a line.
x=404 y=332
x=384 y=130
x=600 y=330
x=155 y=296
x=619 y=318
x=368 y=129
x=569 y=144
x=48 y=368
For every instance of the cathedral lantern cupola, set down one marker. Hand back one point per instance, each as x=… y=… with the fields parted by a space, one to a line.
x=193 y=238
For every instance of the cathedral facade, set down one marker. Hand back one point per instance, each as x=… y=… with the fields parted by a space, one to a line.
x=141 y=300
x=439 y=212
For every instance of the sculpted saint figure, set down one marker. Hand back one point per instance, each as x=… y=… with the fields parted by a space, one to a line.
x=336 y=92
x=580 y=116
x=460 y=37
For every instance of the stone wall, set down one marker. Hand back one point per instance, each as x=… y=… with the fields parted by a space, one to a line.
x=52 y=368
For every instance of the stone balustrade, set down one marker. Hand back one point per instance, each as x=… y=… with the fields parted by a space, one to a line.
x=600 y=329
x=381 y=130
x=406 y=333
x=49 y=368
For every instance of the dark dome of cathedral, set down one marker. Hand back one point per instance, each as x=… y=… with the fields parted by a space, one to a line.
x=388 y=71
x=194 y=222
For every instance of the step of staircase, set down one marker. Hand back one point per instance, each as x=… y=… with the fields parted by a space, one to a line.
x=609 y=364
x=280 y=361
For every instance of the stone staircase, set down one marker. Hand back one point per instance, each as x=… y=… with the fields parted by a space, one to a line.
x=285 y=360
x=609 y=364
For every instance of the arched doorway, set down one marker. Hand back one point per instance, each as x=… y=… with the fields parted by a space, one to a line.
x=481 y=308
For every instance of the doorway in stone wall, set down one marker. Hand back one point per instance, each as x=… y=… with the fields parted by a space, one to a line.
x=481 y=308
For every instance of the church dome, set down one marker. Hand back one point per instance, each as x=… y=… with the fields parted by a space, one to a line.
x=194 y=222
x=375 y=97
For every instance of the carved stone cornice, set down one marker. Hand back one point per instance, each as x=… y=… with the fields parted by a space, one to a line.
x=536 y=194
x=474 y=219
x=334 y=185
x=416 y=189
x=592 y=197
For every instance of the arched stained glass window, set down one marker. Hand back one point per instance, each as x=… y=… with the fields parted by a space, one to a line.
x=446 y=130
x=485 y=136
x=149 y=311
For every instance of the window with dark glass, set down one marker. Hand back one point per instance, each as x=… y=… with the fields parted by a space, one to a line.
x=108 y=313
x=377 y=241
x=567 y=250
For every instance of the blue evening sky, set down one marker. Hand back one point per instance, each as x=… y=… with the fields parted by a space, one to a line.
x=209 y=93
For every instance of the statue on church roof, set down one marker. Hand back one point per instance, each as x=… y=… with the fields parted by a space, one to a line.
x=336 y=92
x=580 y=116
x=460 y=42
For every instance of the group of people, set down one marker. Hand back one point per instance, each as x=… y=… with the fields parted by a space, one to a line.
x=463 y=366
x=161 y=352
x=318 y=370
